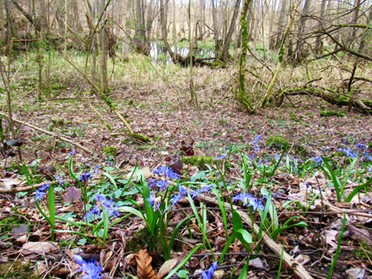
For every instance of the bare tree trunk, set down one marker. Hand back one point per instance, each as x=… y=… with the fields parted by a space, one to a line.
x=216 y=30
x=356 y=13
x=2 y=23
x=300 y=53
x=242 y=91
x=281 y=24
x=366 y=47
x=318 y=42
x=228 y=38
x=140 y=41
x=9 y=28
x=103 y=42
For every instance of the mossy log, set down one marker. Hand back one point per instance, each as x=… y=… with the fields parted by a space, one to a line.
x=334 y=98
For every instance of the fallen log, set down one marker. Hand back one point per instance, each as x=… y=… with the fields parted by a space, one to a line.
x=364 y=106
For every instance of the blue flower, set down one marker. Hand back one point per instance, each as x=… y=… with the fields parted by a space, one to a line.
x=72 y=153
x=209 y=273
x=96 y=169
x=195 y=193
x=41 y=192
x=152 y=201
x=220 y=157
x=152 y=184
x=318 y=160
x=60 y=180
x=348 y=152
x=162 y=184
x=361 y=146
x=108 y=204
x=250 y=201
x=366 y=157
x=166 y=172
x=85 y=176
x=178 y=197
x=89 y=269
x=205 y=189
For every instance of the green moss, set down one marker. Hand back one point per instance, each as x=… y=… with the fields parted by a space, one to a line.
x=141 y=137
x=328 y=113
x=17 y=270
x=198 y=161
x=278 y=142
x=110 y=151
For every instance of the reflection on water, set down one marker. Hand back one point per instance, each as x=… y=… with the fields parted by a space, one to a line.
x=159 y=54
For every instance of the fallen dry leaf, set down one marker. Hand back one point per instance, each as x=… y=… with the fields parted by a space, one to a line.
x=42 y=247
x=167 y=267
x=144 y=267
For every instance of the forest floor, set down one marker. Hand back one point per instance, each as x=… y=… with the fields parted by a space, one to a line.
x=219 y=127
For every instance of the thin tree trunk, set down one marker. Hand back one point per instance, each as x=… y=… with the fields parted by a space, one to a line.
x=300 y=52
x=281 y=24
x=216 y=30
x=228 y=38
x=318 y=42
x=242 y=91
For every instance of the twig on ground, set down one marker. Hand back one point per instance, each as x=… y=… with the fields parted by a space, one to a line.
x=49 y=133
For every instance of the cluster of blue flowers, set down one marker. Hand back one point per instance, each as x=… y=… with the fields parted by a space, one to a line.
x=102 y=203
x=250 y=201
x=41 y=192
x=318 y=160
x=164 y=173
x=255 y=142
x=160 y=183
x=361 y=150
x=90 y=269
x=183 y=193
x=209 y=273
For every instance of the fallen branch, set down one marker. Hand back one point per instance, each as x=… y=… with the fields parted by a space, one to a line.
x=49 y=133
x=364 y=106
x=297 y=267
x=23 y=189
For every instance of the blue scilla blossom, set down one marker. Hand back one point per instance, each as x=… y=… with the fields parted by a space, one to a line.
x=209 y=273
x=152 y=184
x=89 y=269
x=220 y=157
x=366 y=157
x=257 y=139
x=109 y=205
x=361 y=146
x=162 y=184
x=250 y=201
x=41 y=192
x=182 y=193
x=85 y=176
x=59 y=180
x=318 y=160
x=348 y=152
x=95 y=211
x=72 y=153
x=152 y=201
x=166 y=172
x=204 y=189
x=96 y=169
